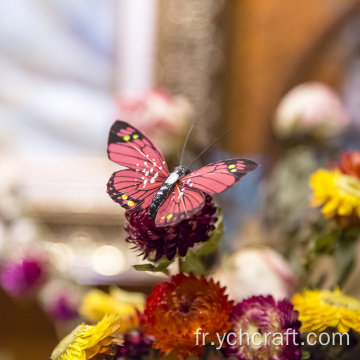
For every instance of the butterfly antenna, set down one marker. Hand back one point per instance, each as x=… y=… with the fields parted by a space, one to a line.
x=209 y=147
x=186 y=141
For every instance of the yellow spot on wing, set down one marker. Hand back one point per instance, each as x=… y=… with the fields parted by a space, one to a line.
x=233 y=170
x=231 y=166
x=130 y=203
x=135 y=136
x=126 y=137
x=163 y=217
x=169 y=216
x=124 y=197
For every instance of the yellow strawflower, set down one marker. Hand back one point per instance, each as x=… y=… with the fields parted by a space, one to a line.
x=337 y=193
x=97 y=303
x=319 y=309
x=89 y=342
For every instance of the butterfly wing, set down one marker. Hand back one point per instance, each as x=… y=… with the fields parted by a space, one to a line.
x=128 y=147
x=182 y=203
x=218 y=177
x=134 y=188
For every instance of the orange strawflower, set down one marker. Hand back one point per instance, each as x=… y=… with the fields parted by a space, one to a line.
x=350 y=163
x=177 y=309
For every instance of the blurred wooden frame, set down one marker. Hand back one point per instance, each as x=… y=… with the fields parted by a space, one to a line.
x=274 y=45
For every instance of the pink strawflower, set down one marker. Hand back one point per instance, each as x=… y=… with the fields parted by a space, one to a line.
x=23 y=276
x=162 y=116
x=312 y=109
x=264 y=315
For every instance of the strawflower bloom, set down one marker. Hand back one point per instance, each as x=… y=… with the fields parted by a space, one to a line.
x=136 y=345
x=62 y=308
x=319 y=309
x=97 y=303
x=161 y=115
x=337 y=193
x=169 y=240
x=263 y=315
x=350 y=163
x=60 y=300
x=89 y=342
x=23 y=276
x=312 y=108
x=270 y=274
x=178 y=308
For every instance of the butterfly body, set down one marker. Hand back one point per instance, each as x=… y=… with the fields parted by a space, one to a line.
x=147 y=183
x=165 y=190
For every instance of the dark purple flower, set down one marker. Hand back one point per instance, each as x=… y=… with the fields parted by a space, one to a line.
x=135 y=345
x=264 y=315
x=21 y=277
x=62 y=308
x=169 y=240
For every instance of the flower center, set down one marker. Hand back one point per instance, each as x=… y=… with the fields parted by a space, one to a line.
x=340 y=300
x=184 y=307
x=349 y=185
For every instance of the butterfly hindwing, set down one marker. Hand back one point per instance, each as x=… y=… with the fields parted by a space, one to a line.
x=182 y=203
x=132 y=189
x=129 y=147
x=218 y=177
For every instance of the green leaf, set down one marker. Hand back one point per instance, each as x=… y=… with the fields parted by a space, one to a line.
x=325 y=243
x=193 y=264
x=211 y=245
x=305 y=354
x=345 y=254
x=159 y=266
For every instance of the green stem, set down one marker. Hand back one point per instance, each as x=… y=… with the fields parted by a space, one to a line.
x=180 y=260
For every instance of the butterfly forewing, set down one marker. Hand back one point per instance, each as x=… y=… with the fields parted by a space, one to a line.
x=218 y=177
x=134 y=188
x=128 y=147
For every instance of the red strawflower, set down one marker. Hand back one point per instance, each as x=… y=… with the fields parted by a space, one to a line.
x=176 y=310
x=350 y=163
x=169 y=240
x=136 y=345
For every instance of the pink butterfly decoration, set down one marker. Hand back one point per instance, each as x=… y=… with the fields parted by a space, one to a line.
x=147 y=183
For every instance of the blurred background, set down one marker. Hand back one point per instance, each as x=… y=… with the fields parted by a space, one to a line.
x=69 y=69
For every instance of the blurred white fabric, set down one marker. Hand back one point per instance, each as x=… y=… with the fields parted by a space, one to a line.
x=61 y=63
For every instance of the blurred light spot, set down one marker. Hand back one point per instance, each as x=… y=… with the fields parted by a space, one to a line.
x=108 y=260
x=81 y=243
x=61 y=256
